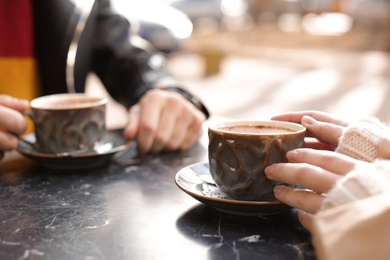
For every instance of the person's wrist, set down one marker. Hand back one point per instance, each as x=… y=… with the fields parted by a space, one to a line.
x=191 y=98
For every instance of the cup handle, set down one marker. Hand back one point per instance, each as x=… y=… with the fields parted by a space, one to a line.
x=31 y=144
x=27 y=114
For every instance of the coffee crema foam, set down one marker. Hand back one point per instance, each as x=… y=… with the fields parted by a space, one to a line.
x=256 y=129
x=67 y=103
x=70 y=103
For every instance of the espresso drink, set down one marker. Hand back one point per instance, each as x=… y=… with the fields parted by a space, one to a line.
x=240 y=151
x=66 y=123
x=67 y=103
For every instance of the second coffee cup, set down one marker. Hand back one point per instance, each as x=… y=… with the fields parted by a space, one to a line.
x=66 y=123
x=240 y=151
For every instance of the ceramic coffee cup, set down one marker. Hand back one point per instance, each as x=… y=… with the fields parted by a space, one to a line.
x=240 y=151
x=66 y=123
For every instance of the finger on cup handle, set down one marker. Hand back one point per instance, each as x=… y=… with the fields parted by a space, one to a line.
x=12 y=143
x=8 y=141
x=14 y=103
x=28 y=143
x=12 y=121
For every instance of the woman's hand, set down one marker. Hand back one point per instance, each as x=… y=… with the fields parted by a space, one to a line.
x=11 y=122
x=314 y=172
x=164 y=121
x=323 y=130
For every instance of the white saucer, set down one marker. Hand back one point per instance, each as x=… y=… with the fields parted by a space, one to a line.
x=113 y=143
x=196 y=181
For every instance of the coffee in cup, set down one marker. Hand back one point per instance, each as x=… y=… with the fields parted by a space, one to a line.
x=66 y=123
x=239 y=151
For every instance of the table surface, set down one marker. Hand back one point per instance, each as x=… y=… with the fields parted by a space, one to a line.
x=130 y=209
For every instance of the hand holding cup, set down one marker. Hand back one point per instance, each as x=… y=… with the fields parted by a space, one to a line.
x=11 y=122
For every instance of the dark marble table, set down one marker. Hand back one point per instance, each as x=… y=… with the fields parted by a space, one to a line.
x=130 y=209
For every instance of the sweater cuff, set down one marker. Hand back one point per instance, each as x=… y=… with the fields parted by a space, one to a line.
x=361 y=139
x=366 y=181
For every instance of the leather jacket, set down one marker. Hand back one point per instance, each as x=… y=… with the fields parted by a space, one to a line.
x=100 y=37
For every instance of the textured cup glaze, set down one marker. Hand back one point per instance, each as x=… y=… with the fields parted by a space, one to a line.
x=240 y=151
x=68 y=122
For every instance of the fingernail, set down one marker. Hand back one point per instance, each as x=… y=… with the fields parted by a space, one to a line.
x=25 y=102
x=278 y=189
x=269 y=170
x=292 y=155
x=308 y=121
x=301 y=215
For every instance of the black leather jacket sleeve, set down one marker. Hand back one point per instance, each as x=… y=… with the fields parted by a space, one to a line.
x=105 y=47
x=127 y=70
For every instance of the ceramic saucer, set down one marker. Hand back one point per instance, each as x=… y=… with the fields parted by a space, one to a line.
x=196 y=181
x=113 y=143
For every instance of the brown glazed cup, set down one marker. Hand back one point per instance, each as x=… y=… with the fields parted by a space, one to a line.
x=240 y=151
x=66 y=123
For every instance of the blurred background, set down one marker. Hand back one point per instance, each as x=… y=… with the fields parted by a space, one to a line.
x=251 y=59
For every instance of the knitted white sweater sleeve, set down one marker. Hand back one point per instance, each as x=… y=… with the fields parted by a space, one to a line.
x=362 y=138
x=363 y=182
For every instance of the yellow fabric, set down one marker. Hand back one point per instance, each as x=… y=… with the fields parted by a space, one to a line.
x=18 y=78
